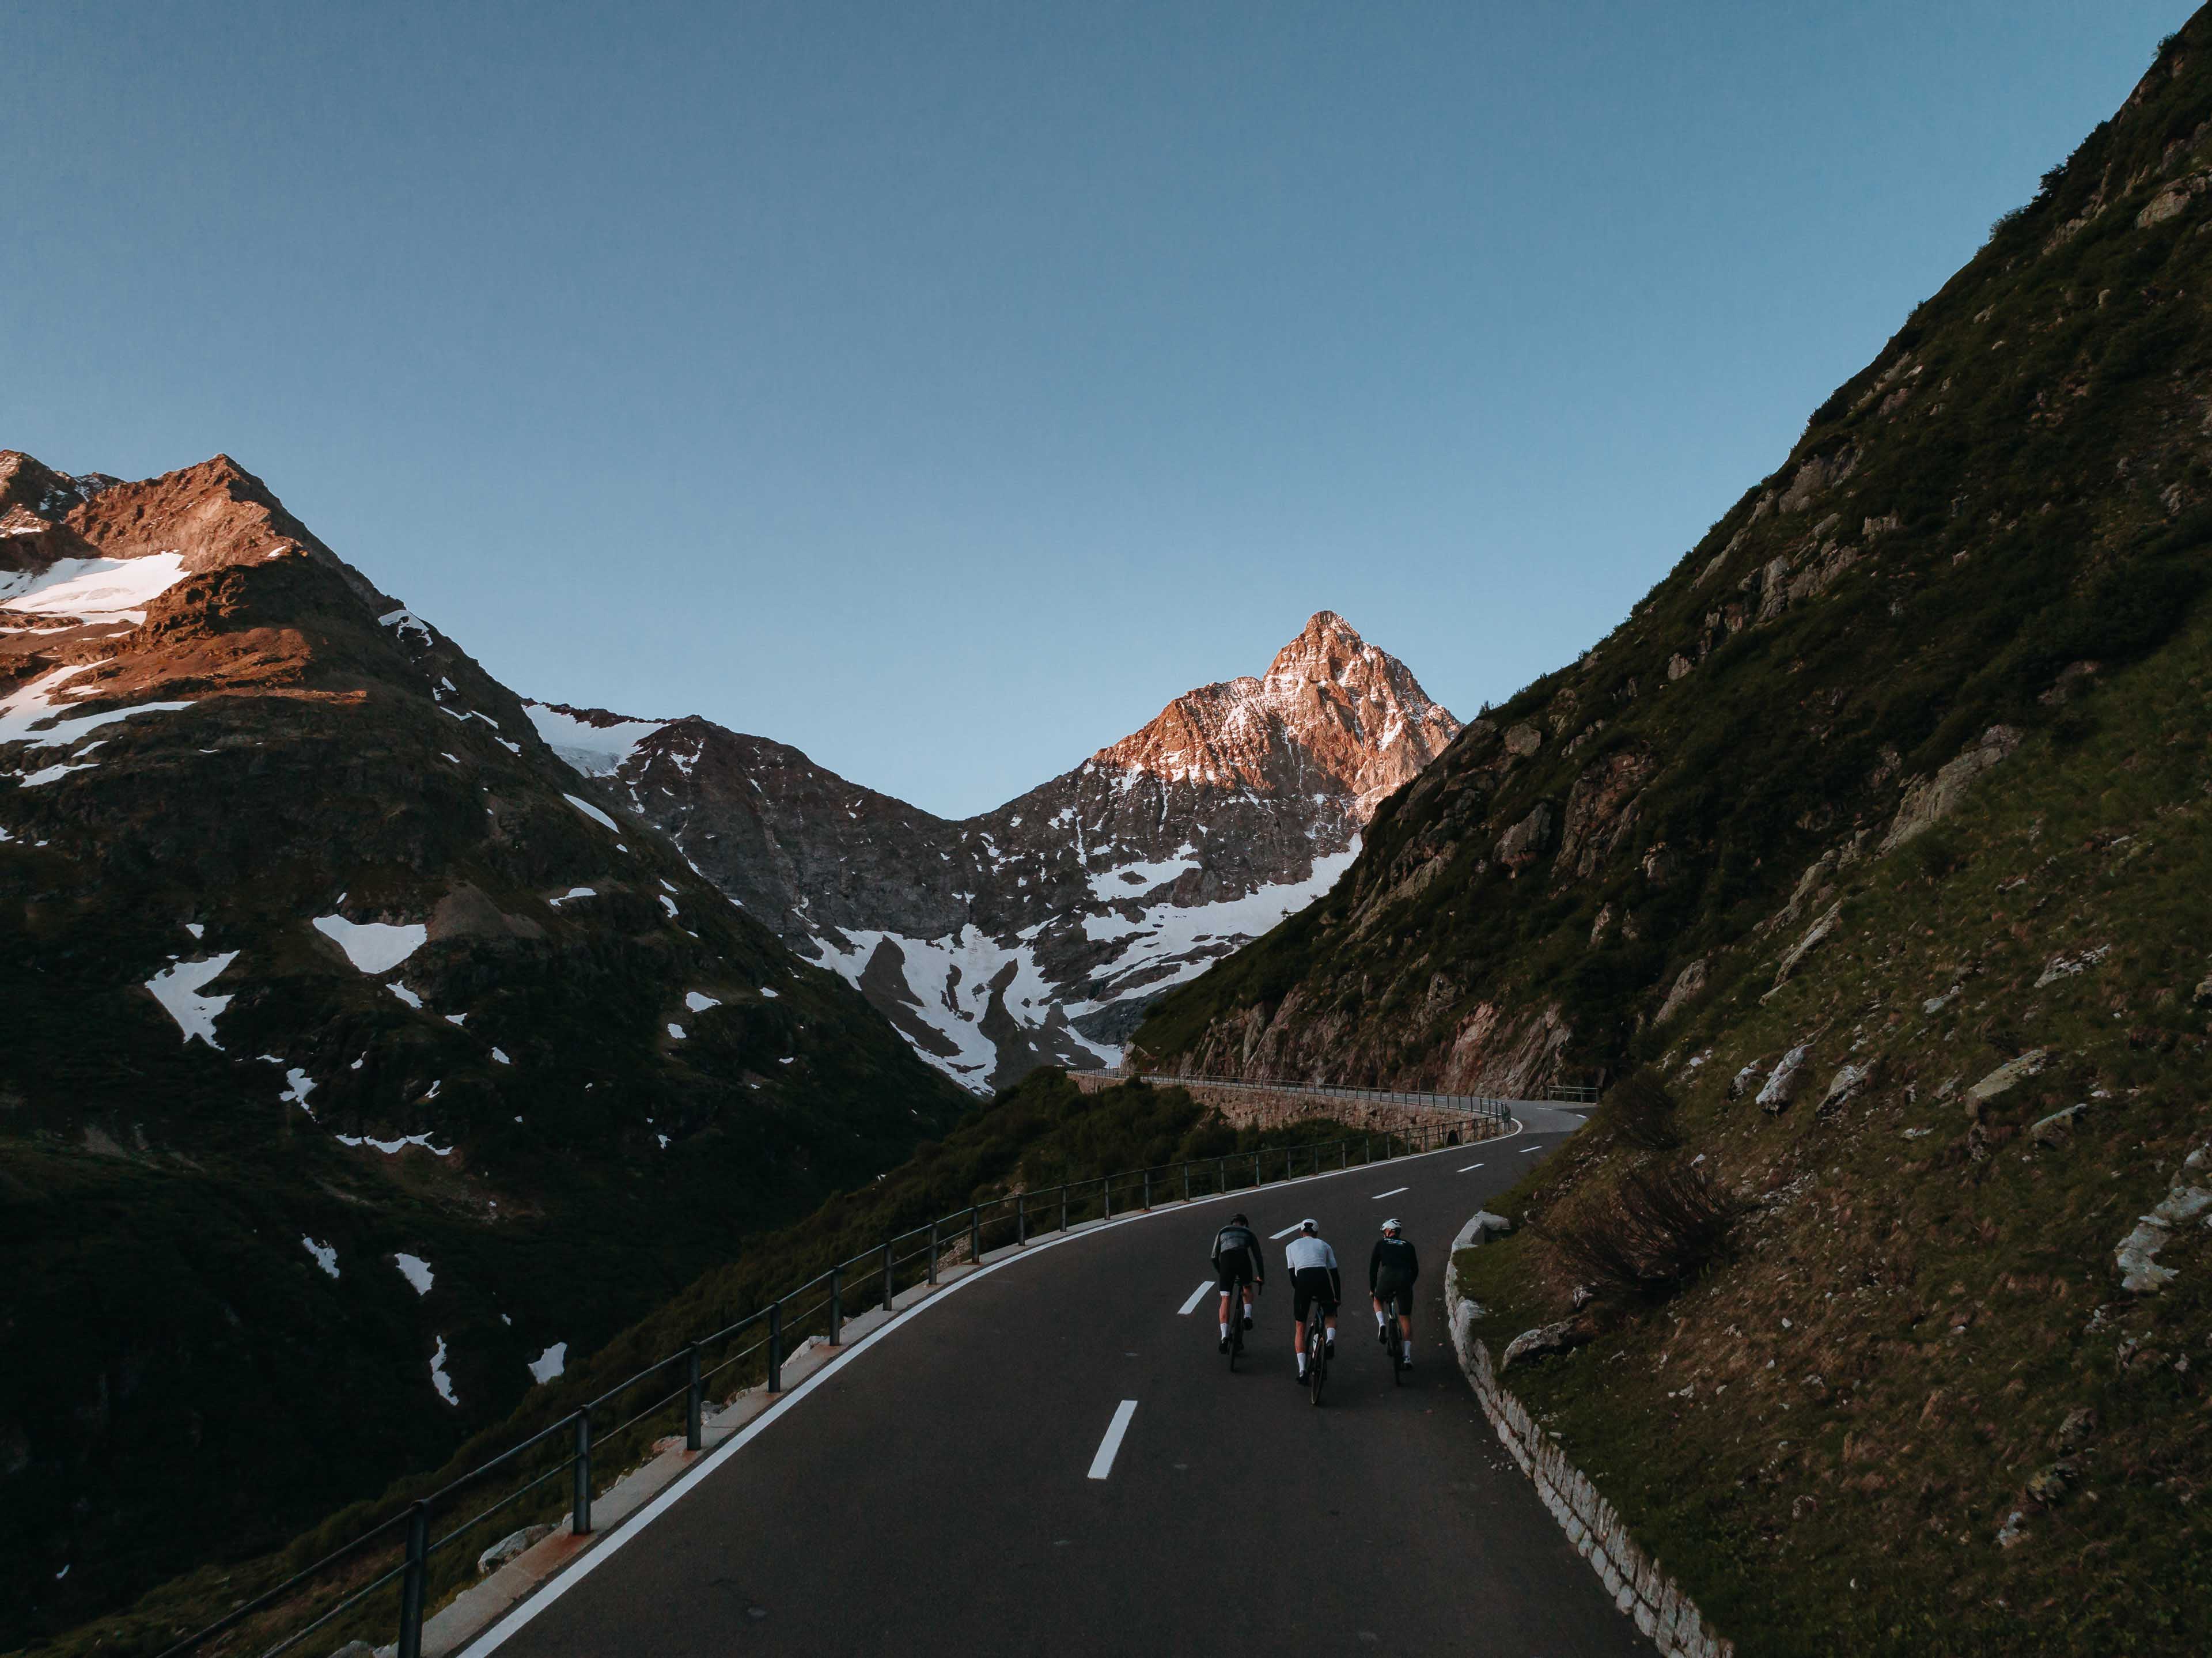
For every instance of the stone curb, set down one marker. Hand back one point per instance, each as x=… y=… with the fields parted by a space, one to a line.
x=1638 y=1585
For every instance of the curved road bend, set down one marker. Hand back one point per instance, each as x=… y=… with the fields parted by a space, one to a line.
x=935 y=1494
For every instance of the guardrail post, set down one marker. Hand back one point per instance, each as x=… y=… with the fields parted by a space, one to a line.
x=1221 y=1174
x=579 y=1505
x=1106 y=1198
x=1021 y=1218
x=891 y=1291
x=836 y=1305
x=1255 y=1168
x=1063 y=1206
x=692 y=1399
x=1148 y=1188
x=974 y=1236
x=411 y=1586
x=1344 y=1154
x=933 y=1254
x=1186 y=1182
x=775 y=1346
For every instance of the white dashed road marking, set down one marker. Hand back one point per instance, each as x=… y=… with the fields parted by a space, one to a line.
x=1470 y=1168
x=1392 y=1193
x=1102 y=1464
x=1196 y=1295
x=1287 y=1231
x=1526 y=1149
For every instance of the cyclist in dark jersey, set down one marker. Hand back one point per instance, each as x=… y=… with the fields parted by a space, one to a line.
x=1237 y=1264
x=1391 y=1270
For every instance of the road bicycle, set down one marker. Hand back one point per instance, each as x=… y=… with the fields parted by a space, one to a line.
x=1237 y=1311
x=1316 y=1349
x=1391 y=1335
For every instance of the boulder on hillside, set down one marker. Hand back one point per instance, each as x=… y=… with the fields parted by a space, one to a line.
x=1927 y=803
x=1816 y=935
x=1524 y=740
x=1519 y=846
x=1532 y=1345
x=2057 y=1129
x=2005 y=1078
x=1782 y=1086
x=1688 y=983
x=1846 y=1085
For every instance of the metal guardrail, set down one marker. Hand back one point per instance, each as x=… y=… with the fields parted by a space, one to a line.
x=1473 y=1105
x=402 y=1559
x=1572 y=1094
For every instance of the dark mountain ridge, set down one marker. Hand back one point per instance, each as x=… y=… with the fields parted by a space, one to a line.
x=362 y=1067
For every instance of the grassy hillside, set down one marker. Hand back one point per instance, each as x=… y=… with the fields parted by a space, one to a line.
x=1875 y=839
x=2016 y=490
x=1031 y=1137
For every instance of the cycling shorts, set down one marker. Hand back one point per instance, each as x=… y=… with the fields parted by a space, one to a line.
x=1235 y=1268
x=1307 y=1285
x=1389 y=1290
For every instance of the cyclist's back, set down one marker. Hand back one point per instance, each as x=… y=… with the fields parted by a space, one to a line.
x=1315 y=1277
x=1237 y=1265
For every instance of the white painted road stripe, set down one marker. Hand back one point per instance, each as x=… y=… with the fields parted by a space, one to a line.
x=1287 y=1231
x=1526 y=1149
x=1102 y=1464
x=1392 y=1193
x=1470 y=1168
x=1196 y=1295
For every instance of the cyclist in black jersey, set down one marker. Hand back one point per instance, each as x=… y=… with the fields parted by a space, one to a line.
x=1391 y=1270
x=1238 y=1266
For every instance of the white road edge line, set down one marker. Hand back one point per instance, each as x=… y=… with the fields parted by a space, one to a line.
x=513 y=1622
x=1392 y=1193
x=1102 y=1464
x=1196 y=1295
x=1470 y=1168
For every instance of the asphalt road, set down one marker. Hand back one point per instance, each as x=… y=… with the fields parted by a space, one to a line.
x=934 y=1494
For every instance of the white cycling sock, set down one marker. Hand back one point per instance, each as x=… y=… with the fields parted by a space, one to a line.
x=1378 y=1321
x=1409 y=1352
x=1224 y=1326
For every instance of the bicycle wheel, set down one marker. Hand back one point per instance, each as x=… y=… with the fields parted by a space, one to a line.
x=1317 y=1357
x=1235 y=1329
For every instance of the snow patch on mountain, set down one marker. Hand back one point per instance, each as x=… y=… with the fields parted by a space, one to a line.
x=178 y=990
x=373 y=947
x=595 y=750
x=86 y=590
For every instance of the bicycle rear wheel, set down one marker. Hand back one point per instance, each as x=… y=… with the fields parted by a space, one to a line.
x=1317 y=1357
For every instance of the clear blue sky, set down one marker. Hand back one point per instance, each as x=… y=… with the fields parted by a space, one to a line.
x=941 y=388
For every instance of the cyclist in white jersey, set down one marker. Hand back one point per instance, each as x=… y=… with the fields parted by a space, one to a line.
x=1314 y=1276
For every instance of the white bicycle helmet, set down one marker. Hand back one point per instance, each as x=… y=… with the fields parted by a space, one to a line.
x=1389 y=1225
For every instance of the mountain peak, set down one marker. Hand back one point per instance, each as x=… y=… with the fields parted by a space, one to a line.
x=1334 y=708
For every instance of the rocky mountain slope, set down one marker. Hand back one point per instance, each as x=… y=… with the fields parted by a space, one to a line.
x=1877 y=830
x=1036 y=934
x=363 y=1065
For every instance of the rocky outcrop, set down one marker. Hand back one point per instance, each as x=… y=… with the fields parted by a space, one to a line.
x=1925 y=804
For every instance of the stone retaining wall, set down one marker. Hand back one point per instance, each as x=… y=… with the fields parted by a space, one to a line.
x=1250 y=1107
x=1634 y=1578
